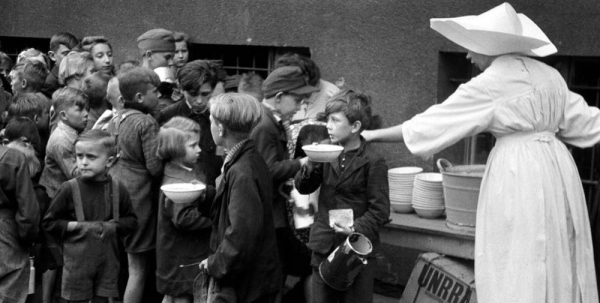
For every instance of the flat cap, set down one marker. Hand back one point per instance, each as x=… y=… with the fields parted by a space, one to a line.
x=156 y=40
x=287 y=79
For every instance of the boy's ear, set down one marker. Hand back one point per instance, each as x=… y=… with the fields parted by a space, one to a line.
x=120 y=100
x=356 y=126
x=23 y=83
x=52 y=56
x=139 y=98
x=110 y=161
x=62 y=115
x=36 y=118
x=148 y=54
x=278 y=97
x=222 y=130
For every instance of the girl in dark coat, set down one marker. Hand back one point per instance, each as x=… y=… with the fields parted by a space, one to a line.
x=244 y=257
x=182 y=233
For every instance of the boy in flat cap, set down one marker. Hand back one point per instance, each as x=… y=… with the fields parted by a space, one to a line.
x=157 y=47
x=284 y=90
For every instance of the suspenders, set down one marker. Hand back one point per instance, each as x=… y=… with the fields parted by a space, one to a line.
x=111 y=196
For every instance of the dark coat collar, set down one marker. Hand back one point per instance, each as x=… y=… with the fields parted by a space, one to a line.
x=248 y=145
x=356 y=163
x=272 y=118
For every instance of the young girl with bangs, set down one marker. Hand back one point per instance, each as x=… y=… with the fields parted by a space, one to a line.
x=182 y=234
x=356 y=180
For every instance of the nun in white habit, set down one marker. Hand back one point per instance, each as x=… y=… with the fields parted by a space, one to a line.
x=533 y=241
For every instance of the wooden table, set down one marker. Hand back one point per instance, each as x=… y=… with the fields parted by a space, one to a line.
x=431 y=235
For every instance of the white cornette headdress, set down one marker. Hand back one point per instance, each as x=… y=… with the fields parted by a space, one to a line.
x=498 y=31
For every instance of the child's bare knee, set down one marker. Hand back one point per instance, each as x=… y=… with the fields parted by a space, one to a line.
x=137 y=264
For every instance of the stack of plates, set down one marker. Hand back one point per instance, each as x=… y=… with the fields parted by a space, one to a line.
x=401 y=181
x=428 y=195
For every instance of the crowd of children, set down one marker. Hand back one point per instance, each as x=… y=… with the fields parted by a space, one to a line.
x=87 y=144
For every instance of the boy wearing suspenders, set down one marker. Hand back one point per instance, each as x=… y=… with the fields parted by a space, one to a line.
x=89 y=213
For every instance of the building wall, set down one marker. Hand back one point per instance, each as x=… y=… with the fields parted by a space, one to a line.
x=384 y=47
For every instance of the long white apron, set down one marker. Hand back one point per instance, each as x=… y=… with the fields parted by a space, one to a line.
x=533 y=240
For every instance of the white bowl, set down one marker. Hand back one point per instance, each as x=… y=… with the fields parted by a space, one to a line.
x=322 y=152
x=429 y=213
x=429 y=177
x=402 y=208
x=410 y=170
x=183 y=192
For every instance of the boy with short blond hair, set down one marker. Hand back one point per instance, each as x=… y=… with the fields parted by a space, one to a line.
x=33 y=106
x=71 y=107
x=28 y=76
x=89 y=213
x=37 y=108
x=74 y=68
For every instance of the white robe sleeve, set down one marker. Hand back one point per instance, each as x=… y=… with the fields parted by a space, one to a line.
x=466 y=112
x=580 y=125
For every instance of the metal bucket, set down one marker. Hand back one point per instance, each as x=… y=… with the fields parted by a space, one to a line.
x=346 y=262
x=461 y=192
x=303 y=207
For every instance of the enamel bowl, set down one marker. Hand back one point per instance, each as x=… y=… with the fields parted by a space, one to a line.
x=402 y=208
x=428 y=213
x=322 y=152
x=183 y=192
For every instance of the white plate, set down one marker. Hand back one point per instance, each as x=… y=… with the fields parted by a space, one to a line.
x=405 y=170
x=429 y=177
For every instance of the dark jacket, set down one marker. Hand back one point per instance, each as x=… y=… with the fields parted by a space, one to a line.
x=51 y=84
x=271 y=143
x=243 y=245
x=177 y=109
x=363 y=187
x=140 y=170
x=182 y=238
x=18 y=204
x=208 y=166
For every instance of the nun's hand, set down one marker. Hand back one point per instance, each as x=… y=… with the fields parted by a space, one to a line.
x=367 y=134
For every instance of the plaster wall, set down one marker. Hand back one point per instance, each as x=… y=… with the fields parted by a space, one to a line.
x=383 y=47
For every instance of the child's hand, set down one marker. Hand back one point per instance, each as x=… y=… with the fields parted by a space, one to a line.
x=109 y=230
x=204 y=265
x=342 y=229
x=310 y=166
x=93 y=228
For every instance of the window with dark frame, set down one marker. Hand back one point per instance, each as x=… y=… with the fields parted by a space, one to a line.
x=582 y=75
x=240 y=59
x=12 y=46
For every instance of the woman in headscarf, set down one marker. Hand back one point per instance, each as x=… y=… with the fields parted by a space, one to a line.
x=532 y=240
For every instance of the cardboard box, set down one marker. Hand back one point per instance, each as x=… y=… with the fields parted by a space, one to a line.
x=437 y=278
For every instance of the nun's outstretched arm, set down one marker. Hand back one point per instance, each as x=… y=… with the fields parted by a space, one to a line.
x=390 y=134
